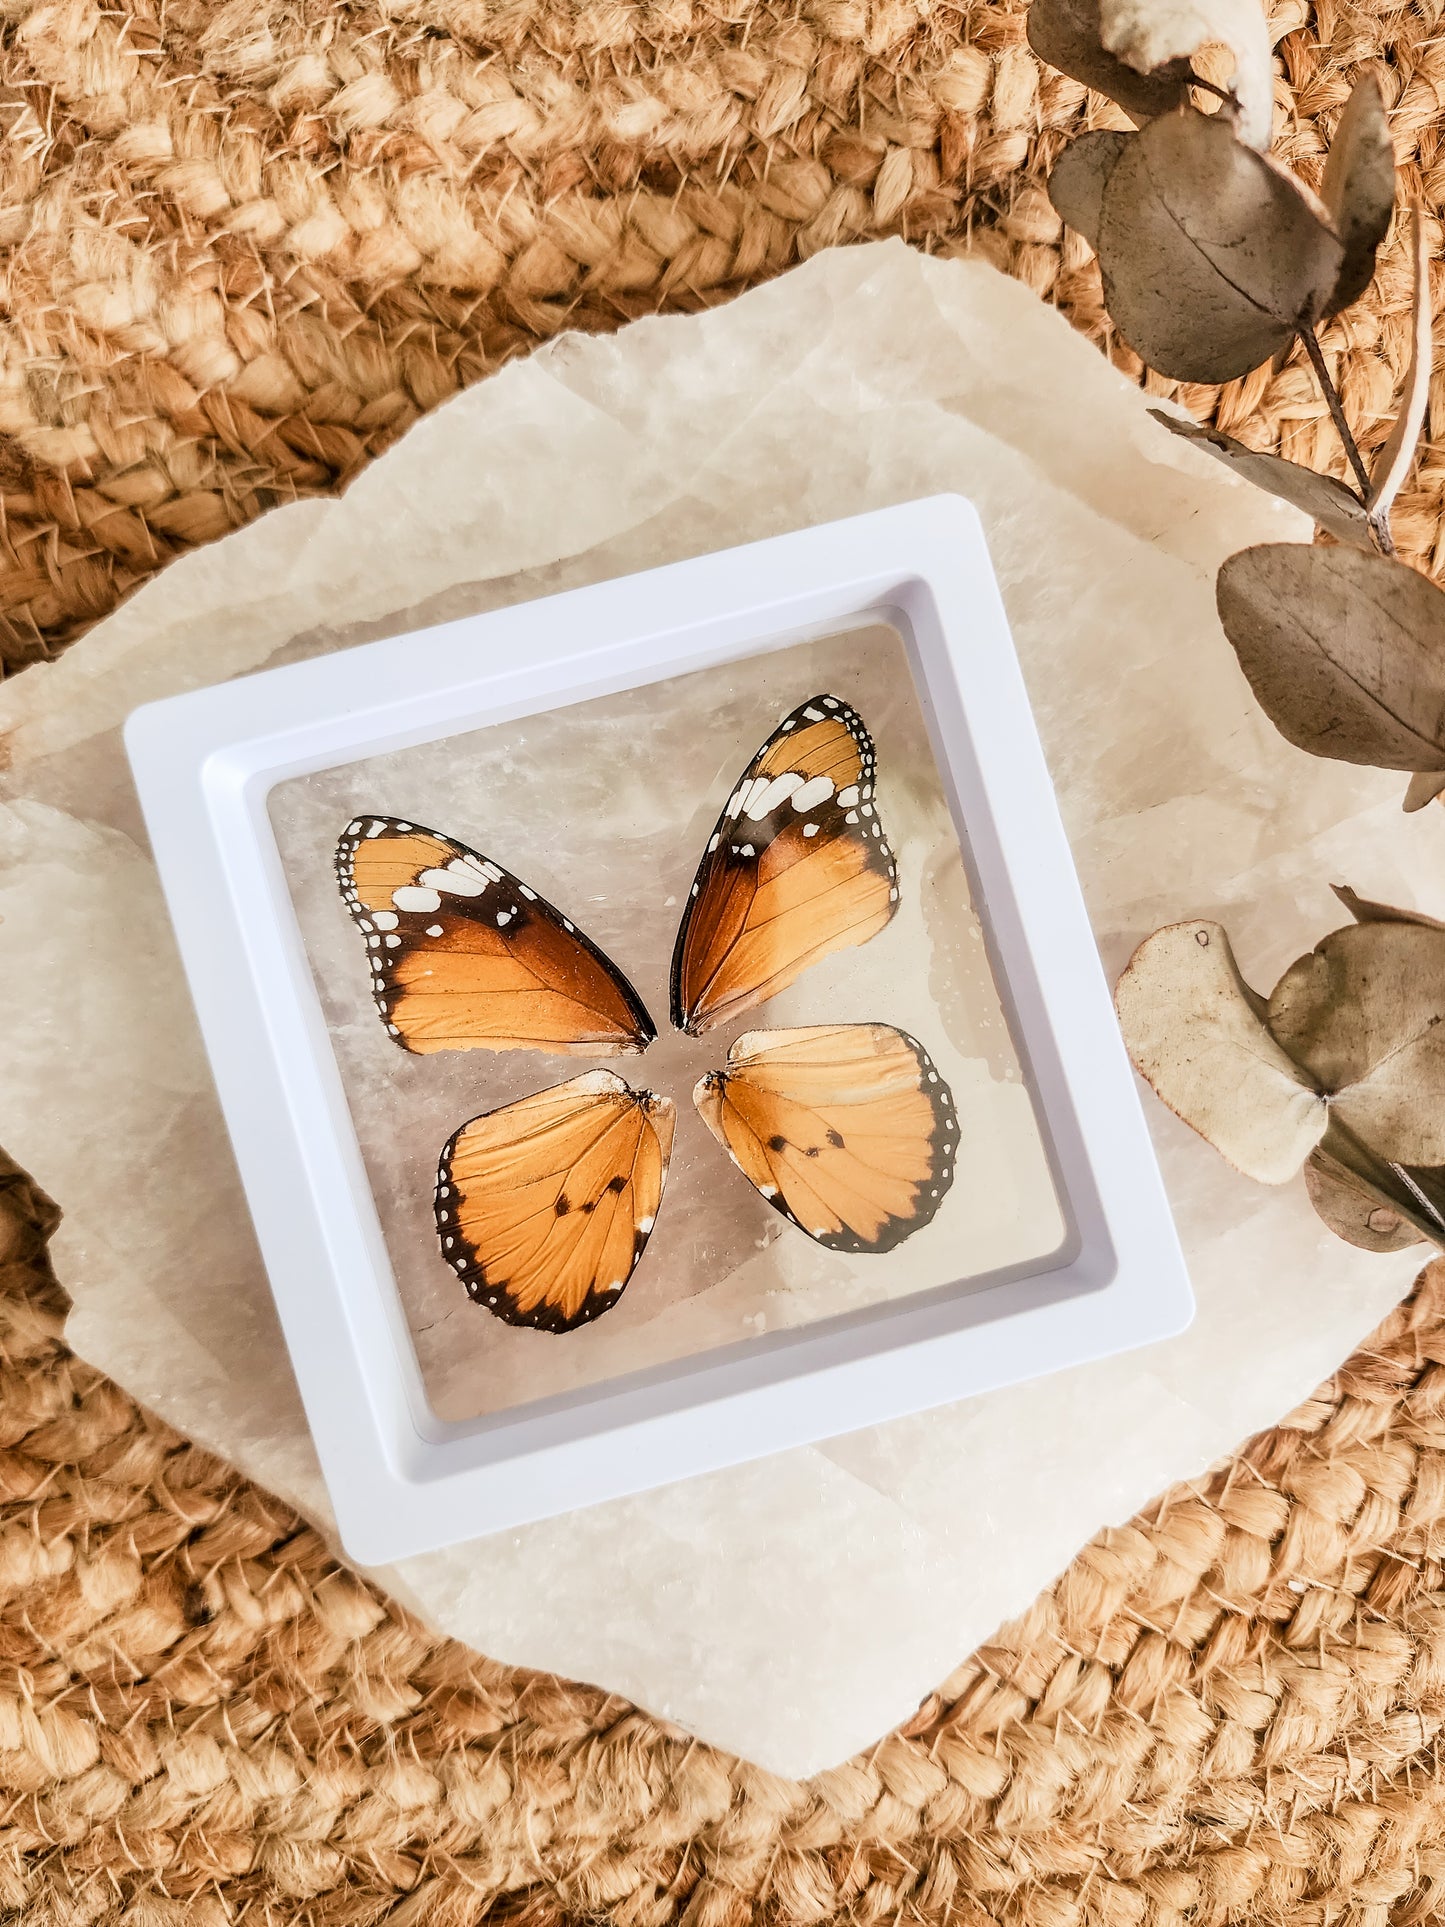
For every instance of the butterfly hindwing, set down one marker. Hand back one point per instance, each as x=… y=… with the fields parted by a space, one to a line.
x=847 y=1129
x=464 y=956
x=797 y=866
x=544 y=1206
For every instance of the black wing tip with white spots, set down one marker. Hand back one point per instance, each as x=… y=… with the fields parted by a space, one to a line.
x=377 y=955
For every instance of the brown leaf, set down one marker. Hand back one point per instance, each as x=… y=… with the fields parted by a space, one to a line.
x=1345 y=651
x=1187 y=1019
x=1363 y=1015
x=1076 y=186
x=1212 y=255
x=1424 y=786
x=1066 y=34
x=1147 y=33
x=1333 y=506
x=1358 y=188
x=1397 y=457
x=1354 y=1209
x=1366 y=910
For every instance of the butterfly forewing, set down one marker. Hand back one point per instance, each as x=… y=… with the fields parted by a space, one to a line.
x=544 y=1206
x=797 y=866
x=464 y=956
x=847 y=1129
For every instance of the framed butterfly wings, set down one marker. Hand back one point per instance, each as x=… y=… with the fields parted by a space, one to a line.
x=797 y=867
x=465 y=956
x=847 y=1129
x=544 y=1206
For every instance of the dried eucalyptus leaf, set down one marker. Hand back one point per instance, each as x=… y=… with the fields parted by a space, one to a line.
x=1066 y=34
x=1333 y=506
x=1146 y=34
x=1353 y=1209
x=1397 y=457
x=1212 y=256
x=1363 y=1015
x=1187 y=1019
x=1366 y=910
x=1424 y=786
x=1345 y=651
x=1358 y=188
x=1076 y=186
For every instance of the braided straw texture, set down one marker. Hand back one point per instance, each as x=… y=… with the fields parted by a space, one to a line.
x=242 y=247
x=1228 y=1710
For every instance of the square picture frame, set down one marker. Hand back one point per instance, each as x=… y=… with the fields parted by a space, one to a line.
x=403 y=1481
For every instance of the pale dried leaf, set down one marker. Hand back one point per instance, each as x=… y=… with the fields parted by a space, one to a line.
x=1358 y=188
x=1424 y=786
x=1066 y=34
x=1367 y=910
x=1397 y=457
x=1076 y=186
x=1364 y=1016
x=1353 y=1209
x=1147 y=34
x=1345 y=651
x=1187 y=1019
x=1332 y=505
x=1212 y=256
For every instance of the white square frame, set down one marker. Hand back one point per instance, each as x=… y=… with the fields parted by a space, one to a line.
x=403 y=1481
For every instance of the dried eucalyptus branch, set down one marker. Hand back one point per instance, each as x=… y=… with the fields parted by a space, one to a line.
x=1215 y=260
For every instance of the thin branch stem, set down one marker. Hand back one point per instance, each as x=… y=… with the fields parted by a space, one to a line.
x=1335 y=406
x=1209 y=87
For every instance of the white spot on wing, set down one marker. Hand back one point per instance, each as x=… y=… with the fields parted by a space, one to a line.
x=848 y=797
x=762 y=802
x=456 y=880
x=412 y=897
x=810 y=795
x=386 y=919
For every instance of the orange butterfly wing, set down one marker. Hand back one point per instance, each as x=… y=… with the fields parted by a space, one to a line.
x=796 y=867
x=466 y=957
x=846 y=1129
x=544 y=1206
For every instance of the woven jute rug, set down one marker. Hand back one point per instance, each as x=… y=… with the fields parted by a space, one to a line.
x=242 y=246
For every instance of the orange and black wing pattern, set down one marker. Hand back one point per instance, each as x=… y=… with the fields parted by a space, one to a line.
x=847 y=1129
x=796 y=867
x=544 y=1206
x=464 y=956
